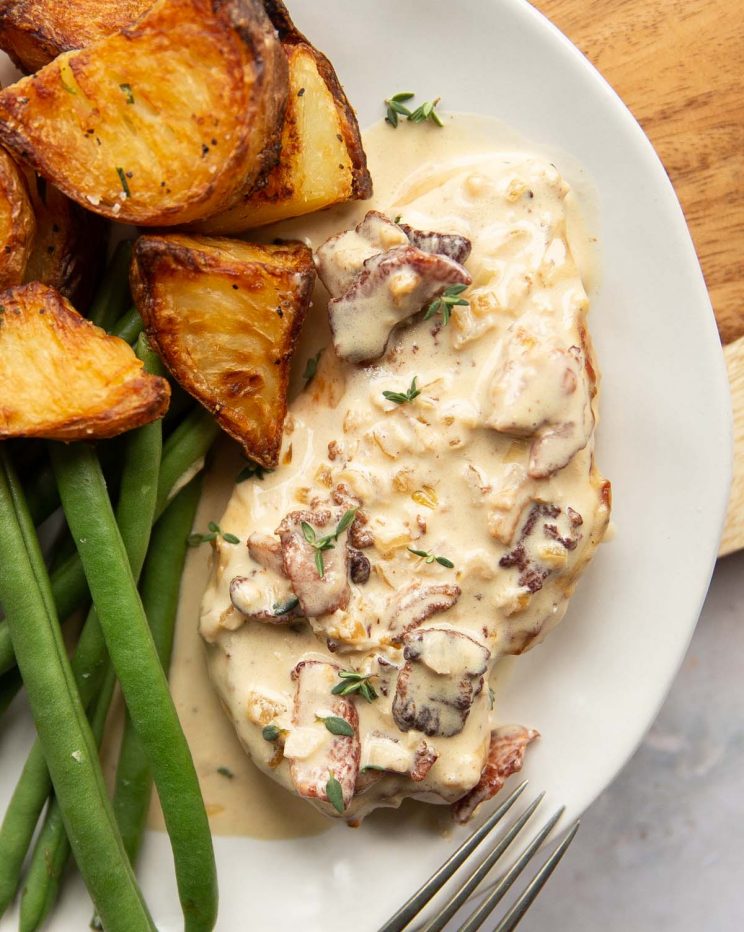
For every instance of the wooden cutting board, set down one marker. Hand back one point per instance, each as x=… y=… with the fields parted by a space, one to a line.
x=679 y=66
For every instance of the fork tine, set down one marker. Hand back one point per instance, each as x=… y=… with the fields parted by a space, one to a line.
x=479 y=916
x=419 y=899
x=528 y=896
x=448 y=911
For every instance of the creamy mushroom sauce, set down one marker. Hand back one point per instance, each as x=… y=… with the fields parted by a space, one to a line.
x=491 y=467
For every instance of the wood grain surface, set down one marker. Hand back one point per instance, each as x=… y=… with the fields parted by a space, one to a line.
x=679 y=66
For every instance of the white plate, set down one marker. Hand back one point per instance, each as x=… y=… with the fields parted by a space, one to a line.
x=665 y=441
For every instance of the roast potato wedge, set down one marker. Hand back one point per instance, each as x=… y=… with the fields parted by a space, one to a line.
x=64 y=378
x=33 y=32
x=17 y=223
x=69 y=249
x=164 y=123
x=225 y=316
x=322 y=161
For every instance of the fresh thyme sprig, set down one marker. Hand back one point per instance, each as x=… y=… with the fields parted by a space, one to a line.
x=427 y=111
x=194 y=540
x=449 y=298
x=337 y=725
x=321 y=544
x=353 y=682
x=123 y=179
x=226 y=772
x=252 y=471
x=335 y=793
x=428 y=557
x=272 y=732
x=126 y=89
x=311 y=368
x=402 y=398
x=395 y=107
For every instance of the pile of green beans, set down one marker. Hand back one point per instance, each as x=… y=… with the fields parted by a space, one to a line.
x=127 y=635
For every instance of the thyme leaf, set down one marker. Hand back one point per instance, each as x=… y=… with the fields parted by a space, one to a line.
x=123 y=179
x=311 y=368
x=214 y=531
x=252 y=471
x=335 y=793
x=449 y=298
x=402 y=398
x=394 y=107
x=428 y=557
x=284 y=608
x=337 y=726
x=127 y=91
x=427 y=111
x=328 y=542
x=353 y=682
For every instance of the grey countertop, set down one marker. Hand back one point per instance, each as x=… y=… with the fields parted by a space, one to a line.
x=663 y=847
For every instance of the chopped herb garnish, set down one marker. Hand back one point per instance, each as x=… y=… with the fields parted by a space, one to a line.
x=194 y=540
x=123 y=179
x=402 y=398
x=427 y=111
x=337 y=725
x=398 y=218
x=226 y=772
x=445 y=302
x=371 y=767
x=321 y=544
x=270 y=732
x=334 y=793
x=353 y=682
x=284 y=608
x=491 y=697
x=394 y=107
x=428 y=557
x=252 y=471
x=127 y=91
x=311 y=367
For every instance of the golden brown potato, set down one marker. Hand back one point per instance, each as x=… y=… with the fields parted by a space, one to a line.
x=17 y=223
x=69 y=248
x=225 y=316
x=322 y=161
x=33 y=32
x=163 y=123
x=64 y=378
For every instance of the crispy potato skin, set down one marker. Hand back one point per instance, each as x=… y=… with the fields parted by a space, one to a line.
x=69 y=249
x=225 y=316
x=322 y=161
x=163 y=123
x=17 y=223
x=64 y=378
x=33 y=32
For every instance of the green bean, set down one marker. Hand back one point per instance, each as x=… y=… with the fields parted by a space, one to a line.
x=135 y=513
x=52 y=849
x=183 y=454
x=63 y=730
x=112 y=297
x=160 y=589
x=128 y=326
x=41 y=493
x=90 y=517
x=10 y=683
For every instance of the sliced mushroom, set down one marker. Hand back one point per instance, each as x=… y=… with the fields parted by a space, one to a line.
x=439 y=244
x=391 y=287
x=340 y=259
x=409 y=607
x=505 y=757
x=545 y=538
x=359 y=567
x=423 y=761
x=315 y=754
x=318 y=595
x=544 y=394
x=267 y=552
x=441 y=677
x=252 y=597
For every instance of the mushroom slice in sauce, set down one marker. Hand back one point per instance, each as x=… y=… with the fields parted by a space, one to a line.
x=382 y=753
x=439 y=244
x=409 y=607
x=263 y=603
x=313 y=751
x=317 y=595
x=266 y=550
x=340 y=259
x=391 y=287
x=543 y=544
x=441 y=677
x=543 y=392
x=505 y=757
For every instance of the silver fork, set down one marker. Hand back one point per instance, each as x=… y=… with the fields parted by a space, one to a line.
x=408 y=912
